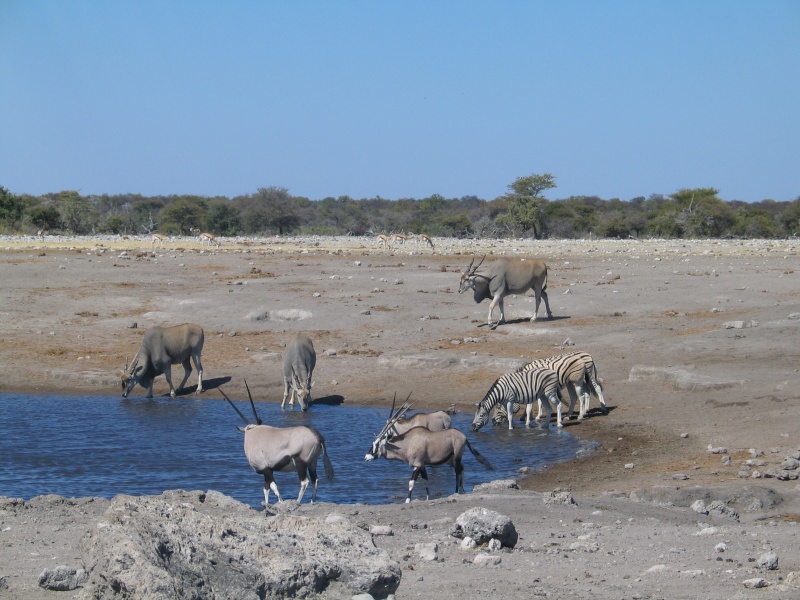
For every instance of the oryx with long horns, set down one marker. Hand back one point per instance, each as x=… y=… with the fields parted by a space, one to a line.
x=269 y=449
x=420 y=447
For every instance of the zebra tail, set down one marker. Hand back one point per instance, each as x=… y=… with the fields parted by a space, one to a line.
x=481 y=458
x=328 y=464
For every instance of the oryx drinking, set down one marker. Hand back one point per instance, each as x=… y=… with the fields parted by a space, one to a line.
x=507 y=277
x=298 y=366
x=420 y=447
x=270 y=449
x=161 y=348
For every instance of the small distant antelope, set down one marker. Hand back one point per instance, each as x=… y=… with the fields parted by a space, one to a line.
x=40 y=233
x=401 y=238
x=269 y=449
x=383 y=240
x=425 y=240
x=210 y=238
x=420 y=447
x=157 y=240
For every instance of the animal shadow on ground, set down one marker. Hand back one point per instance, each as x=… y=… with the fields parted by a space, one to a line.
x=332 y=400
x=522 y=320
x=208 y=384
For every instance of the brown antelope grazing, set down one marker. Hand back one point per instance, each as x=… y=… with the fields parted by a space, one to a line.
x=209 y=238
x=425 y=240
x=157 y=240
x=161 y=348
x=270 y=449
x=401 y=238
x=298 y=366
x=419 y=447
x=507 y=277
x=383 y=240
x=521 y=387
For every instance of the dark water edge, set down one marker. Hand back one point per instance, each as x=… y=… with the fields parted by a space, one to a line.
x=81 y=446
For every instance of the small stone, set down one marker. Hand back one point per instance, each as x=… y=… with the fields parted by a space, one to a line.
x=721 y=547
x=428 y=552
x=755 y=583
x=468 y=543
x=381 y=530
x=483 y=560
x=684 y=435
x=494 y=545
x=768 y=560
x=790 y=464
x=680 y=476
x=629 y=465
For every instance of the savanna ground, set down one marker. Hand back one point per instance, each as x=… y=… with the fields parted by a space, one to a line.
x=696 y=345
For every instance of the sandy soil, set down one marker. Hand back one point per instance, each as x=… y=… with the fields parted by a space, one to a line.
x=696 y=343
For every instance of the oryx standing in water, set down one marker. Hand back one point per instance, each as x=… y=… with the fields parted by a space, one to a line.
x=269 y=449
x=298 y=366
x=161 y=348
x=420 y=447
x=507 y=277
x=437 y=421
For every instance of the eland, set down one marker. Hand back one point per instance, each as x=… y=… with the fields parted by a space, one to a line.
x=161 y=348
x=298 y=367
x=270 y=449
x=420 y=447
x=507 y=277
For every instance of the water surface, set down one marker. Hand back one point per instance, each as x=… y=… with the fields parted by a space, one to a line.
x=77 y=446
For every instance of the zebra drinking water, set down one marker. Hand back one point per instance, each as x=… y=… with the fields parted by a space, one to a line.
x=521 y=387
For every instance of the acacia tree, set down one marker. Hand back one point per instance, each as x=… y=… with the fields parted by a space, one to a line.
x=525 y=203
x=76 y=212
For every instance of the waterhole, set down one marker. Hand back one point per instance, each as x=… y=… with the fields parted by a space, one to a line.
x=79 y=446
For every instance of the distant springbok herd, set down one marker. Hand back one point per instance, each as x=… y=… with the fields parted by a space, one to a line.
x=421 y=440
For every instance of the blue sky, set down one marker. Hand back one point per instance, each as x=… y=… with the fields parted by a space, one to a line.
x=407 y=99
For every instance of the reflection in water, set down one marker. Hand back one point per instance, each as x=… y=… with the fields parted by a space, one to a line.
x=77 y=446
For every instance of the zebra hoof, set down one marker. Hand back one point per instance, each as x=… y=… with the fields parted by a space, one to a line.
x=604 y=411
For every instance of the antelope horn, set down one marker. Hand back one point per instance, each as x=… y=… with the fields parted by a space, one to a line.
x=258 y=421
x=478 y=266
x=470 y=265
x=234 y=407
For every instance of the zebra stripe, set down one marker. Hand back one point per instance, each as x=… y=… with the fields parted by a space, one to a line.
x=578 y=373
x=522 y=387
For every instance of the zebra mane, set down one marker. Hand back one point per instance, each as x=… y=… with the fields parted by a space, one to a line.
x=491 y=398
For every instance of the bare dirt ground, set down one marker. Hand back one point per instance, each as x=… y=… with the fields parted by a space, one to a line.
x=696 y=344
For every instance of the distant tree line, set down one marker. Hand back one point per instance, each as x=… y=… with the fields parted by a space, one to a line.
x=522 y=212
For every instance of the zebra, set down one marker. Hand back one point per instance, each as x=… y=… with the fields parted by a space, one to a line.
x=577 y=372
x=521 y=387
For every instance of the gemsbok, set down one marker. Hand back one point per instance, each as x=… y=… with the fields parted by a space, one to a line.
x=507 y=277
x=161 y=348
x=298 y=367
x=521 y=387
x=436 y=421
x=420 y=447
x=269 y=449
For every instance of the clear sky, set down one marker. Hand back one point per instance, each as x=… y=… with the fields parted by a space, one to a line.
x=403 y=99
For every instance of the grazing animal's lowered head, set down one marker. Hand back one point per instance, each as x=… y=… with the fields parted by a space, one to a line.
x=161 y=348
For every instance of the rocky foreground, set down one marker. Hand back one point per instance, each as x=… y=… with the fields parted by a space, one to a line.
x=499 y=541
